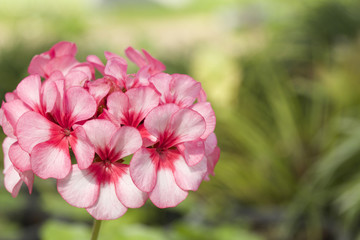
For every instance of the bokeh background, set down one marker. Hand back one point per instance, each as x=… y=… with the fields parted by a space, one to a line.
x=284 y=80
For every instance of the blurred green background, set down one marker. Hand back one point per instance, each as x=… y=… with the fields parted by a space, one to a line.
x=284 y=80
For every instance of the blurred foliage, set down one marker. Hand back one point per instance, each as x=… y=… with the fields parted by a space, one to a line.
x=283 y=78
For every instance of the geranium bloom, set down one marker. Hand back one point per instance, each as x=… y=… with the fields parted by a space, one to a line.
x=105 y=189
x=29 y=95
x=162 y=170
x=47 y=138
x=164 y=120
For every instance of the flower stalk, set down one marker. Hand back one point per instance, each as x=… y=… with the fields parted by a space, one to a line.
x=96 y=229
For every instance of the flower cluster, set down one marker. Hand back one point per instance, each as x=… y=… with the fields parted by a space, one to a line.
x=61 y=122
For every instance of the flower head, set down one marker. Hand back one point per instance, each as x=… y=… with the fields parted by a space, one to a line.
x=162 y=122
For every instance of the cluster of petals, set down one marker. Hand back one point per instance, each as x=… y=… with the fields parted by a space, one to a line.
x=62 y=122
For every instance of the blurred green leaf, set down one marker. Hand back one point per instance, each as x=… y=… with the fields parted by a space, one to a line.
x=56 y=230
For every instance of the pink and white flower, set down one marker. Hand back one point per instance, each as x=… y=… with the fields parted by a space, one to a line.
x=105 y=189
x=47 y=138
x=162 y=170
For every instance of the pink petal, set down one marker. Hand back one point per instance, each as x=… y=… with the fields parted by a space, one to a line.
x=33 y=128
x=19 y=158
x=85 y=68
x=75 y=79
x=96 y=62
x=99 y=89
x=28 y=91
x=193 y=152
x=156 y=65
x=202 y=96
x=109 y=55
x=37 y=65
x=2 y=116
x=12 y=181
x=59 y=108
x=79 y=188
x=64 y=48
x=157 y=121
x=205 y=109
x=99 y=132
x=80 y=105
x=147 y=138
x=141 y=100
x=185 y=89
x=7 y=128
x=10 y=96
x=49 y=93
x=127 y=192
x=108 y=206
x=142 y=77
x=51 y=159
x=187 y=125
x=143 y=167
x=189 y=178
x=105 y=115
x=210 y=143
x=82 y=148
x=212 y=160
x=28 y=178
x=62 y=63
x=12 y=177
x=135 y=56
x=161 y=82
x=6 y=146
x=14 y=110
x=132 y=81
x=55 y=76
x=116 y=68
x=118 y=105
x=166 y=192
x=124 y=142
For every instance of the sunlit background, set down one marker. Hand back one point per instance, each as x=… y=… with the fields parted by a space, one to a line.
x=284 y=80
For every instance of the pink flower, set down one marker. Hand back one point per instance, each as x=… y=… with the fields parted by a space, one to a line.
x=162 y=170
x=60 y=63
x=14 y=177
x=47 y=138
x=177 y=88
x=105 y=189
x=131 y=107
x=61 y=57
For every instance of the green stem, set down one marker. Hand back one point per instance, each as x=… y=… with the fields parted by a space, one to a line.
x=96 y=228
